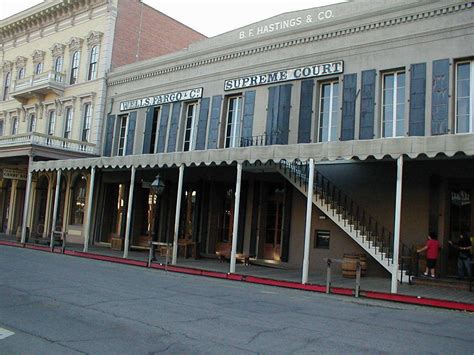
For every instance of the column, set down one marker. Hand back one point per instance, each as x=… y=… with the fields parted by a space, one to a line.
x=49 y=198
x=235 y=223
x=129 y=212
x=177 y=214
x=87 y=225
x=27 y=201
x=307 y=231
x=396 y=232
x=56 y=202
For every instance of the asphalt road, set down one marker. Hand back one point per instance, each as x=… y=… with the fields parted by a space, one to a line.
x=61 y=304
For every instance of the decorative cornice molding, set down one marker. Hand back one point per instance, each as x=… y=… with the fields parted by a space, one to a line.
x=94 y=38
x=38 y=56
x=75 y=44
x=57 y=50
x=7 y=66
x=20 y=61
x=409 y=18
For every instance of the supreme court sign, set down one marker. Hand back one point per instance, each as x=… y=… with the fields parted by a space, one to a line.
x=285 y=75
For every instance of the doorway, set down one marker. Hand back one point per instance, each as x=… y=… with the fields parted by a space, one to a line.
x=275 y=212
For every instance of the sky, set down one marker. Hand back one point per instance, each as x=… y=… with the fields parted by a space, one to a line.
x=210 y=17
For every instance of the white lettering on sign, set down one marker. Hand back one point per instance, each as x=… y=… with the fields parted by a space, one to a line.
x=14 y=174
x=190 y=94
x=285 y=75
x=285 y=24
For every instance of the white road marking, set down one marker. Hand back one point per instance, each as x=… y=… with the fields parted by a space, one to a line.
x=4 y=333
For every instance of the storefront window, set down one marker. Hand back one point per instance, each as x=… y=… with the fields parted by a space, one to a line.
x=78 y=201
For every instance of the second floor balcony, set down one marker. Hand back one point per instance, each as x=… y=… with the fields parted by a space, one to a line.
x=47 y=141
x=38 y=85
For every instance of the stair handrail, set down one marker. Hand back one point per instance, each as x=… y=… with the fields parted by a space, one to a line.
x=379 y=237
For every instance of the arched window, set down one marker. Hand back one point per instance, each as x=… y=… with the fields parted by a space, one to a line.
x=14 y=126
x=21 y=73
x=94 y=57
x=6 y=86
x=38 y=68
x=58 y=67
x=74 y=68
x=78 y=201
x=86 y=123
x=32 y=123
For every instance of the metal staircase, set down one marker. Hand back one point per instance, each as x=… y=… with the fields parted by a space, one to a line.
x=374 y=238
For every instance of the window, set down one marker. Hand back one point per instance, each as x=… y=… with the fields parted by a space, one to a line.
x=15 y=125
x=464 y=97
x=321 y=239
x=189 y=128
x=74 y=68
x=329 y=112
x=123 y=120
x=6 y=86
x=21 y=73
x=68 y=123
x=78 y=201
x=393 y=104
x=86 y=124
x=234 y=122
x=51 y=122
x=94 y=56
x=32 y=123
x=154 y=130
x=58 y=67
x=1 y=127
x=38 y=68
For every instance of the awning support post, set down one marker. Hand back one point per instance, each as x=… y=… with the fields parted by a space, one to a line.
x=177 y=215
x=87 y=227
x=309 y=213
x=235 y=226
x=55 y=208
x=396 y=232
x=27 y=201
x=129 y=213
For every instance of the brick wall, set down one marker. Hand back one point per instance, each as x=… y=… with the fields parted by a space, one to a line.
x=141 y=32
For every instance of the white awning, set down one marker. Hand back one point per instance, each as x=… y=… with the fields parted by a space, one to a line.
x=413 y=147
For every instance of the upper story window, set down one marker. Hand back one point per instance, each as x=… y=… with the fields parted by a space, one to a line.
x=32 y=123
x=21 y=73
x=86 y=123
x=123 y=128
x=15 y=123
x=51 y=122
x=154 y=130
x=464 y=97
x=6 y=86
x=74 y=68
x=38 y=68
x=393 y=104
x=93 y=59
x=190 y=121
x=68 y=123
x=329 y=112
x=1 y=127
x=58 y=67
x=233 y=126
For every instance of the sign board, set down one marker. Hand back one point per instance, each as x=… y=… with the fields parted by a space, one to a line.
x=185 y=95
x=279 y=76
x=14 y=174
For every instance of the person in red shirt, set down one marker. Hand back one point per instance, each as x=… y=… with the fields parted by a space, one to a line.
x=432 y=248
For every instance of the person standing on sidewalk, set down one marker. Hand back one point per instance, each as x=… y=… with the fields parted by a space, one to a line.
x=432 y=248
x=464 y=255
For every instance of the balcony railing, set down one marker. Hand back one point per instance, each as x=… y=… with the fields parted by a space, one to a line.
x=264 y=139
x=50 y=81
x=47 y=141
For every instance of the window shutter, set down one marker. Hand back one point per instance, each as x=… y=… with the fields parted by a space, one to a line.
x=440 y=97
x=214 y=122
x=132 y=118
x=202 y=124
x=349 y=97
x=367 y=105
x=165 y=112
x=306 y=111
x=109 y=135
x=417 y=99
x=284 y=107
x=247 y=119
x=148 y=127
x=272 y=113
x=173 y=133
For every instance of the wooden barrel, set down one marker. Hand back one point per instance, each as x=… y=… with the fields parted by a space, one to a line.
x=349 y=265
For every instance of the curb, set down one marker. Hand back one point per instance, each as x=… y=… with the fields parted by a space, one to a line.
x=407 y=299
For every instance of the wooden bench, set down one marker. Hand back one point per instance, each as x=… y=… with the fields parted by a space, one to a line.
x=224 y=251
